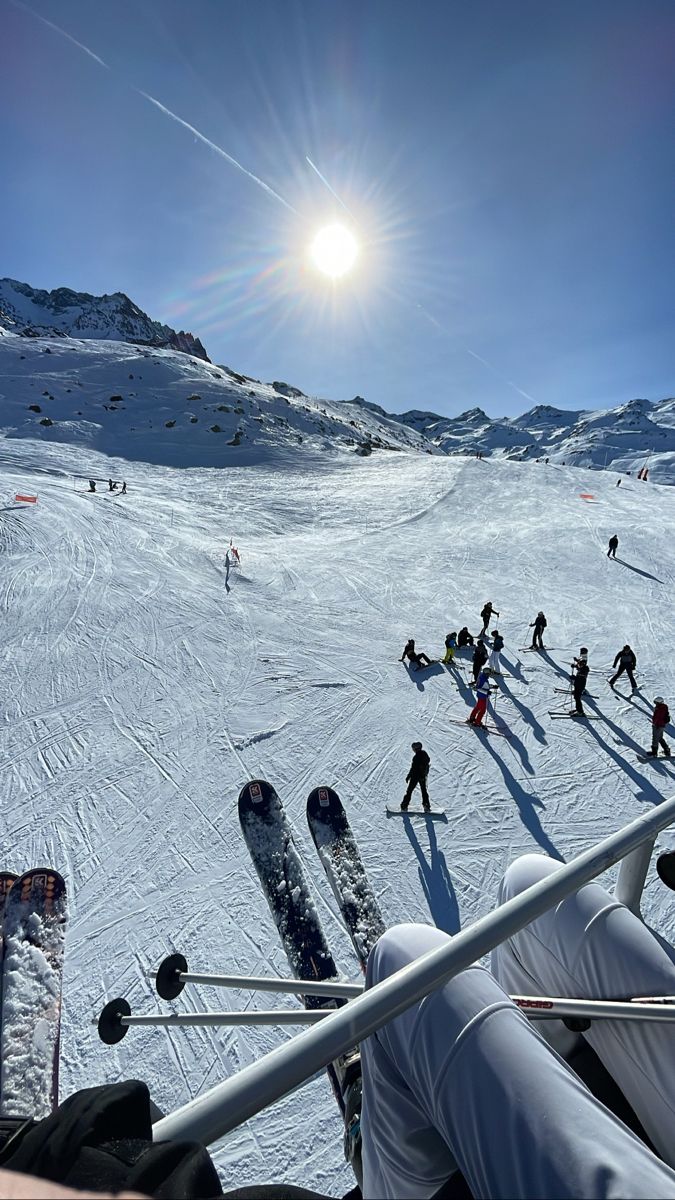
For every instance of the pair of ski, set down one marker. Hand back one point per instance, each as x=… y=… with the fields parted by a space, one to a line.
x=490 y=729
x=269 y=838
x=32 y=927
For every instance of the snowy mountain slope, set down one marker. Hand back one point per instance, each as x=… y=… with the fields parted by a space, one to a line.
x=166 y=407
x=142 y=687
x=33 y=312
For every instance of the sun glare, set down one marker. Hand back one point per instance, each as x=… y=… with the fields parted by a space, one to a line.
x=334 y=250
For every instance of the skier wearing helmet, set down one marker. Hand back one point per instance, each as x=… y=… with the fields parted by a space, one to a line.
x=539 y=625
x=417 y=777
x=580 y=671
x=660 y=718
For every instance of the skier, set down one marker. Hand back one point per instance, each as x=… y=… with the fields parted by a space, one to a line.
x=487 y=611
x=627 y=662
x=618 y=483
x=497 y=647
x=111 y=486
x=92 y=485
x=660 y=718
x=580 y=671
x=483 y=690
x=415 y=656
x=450 y=647
x=417 y=777
x=464 y=638
x=446 y=1083
x=613 y=545
x=124 y=488
x=539 y=625
x=480 y=657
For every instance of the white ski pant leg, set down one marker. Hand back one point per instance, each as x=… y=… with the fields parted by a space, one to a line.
x=591 y=946
x=463 y=1079
x=493 y=661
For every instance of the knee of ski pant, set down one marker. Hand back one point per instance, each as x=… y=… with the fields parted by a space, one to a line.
x=399 y=946
x=523 y=872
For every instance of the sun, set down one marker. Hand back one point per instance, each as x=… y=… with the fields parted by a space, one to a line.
x=334 y=250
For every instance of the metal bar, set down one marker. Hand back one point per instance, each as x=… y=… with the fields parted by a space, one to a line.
x=632 y=875
x=535 y=1008
x=229 y=1104
x=266 y=983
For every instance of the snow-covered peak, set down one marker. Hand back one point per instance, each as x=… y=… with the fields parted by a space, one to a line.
x=34 y=312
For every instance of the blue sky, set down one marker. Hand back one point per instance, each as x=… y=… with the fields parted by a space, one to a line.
x=508 y=166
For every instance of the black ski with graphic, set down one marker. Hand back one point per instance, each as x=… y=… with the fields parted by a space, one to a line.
x=270 y=842
x=34 y=927
x=7 y=879
x=344 y=868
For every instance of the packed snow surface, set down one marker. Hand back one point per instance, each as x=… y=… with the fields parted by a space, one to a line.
x=146 y=679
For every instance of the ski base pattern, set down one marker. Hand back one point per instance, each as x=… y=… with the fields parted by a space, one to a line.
x=33 y=926
x=339 y=853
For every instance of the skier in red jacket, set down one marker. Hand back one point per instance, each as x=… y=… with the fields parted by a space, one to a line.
x=660 y=718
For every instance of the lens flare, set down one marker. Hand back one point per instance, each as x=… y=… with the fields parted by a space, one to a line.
x=334 y=250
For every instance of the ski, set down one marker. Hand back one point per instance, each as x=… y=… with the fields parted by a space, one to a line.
x=567 y=692
x=573 y=716
x=339 y=854
x=34 y=926
x=7 y=879
x=651 y=758
x=481 y=728
x=394 y=810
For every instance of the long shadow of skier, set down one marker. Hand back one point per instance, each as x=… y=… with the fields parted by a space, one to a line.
x=435 y=879
x=637 y=570
x=516 y=668
x=647 y=790
x=564 y=674
x=527 y=806
x=459 y=678
x=528 y=715
x=434 y=669
x=227 y=572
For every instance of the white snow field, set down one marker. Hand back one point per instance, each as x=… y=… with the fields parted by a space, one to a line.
x=142 y=688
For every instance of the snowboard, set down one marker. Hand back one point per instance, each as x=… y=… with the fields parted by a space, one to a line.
x=395 y=810
x=339 y=854
x=34 y=925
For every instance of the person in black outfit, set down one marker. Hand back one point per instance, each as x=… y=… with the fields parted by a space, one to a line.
x=539 y=625
x=627 y=662
x=480 y=657
x=415 y=656
x=417 y=777
x=613 y=545
x=464 y=638
x=92 y=485
x=487 y=611
x=579 y=680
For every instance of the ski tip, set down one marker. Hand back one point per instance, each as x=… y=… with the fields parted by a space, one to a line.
x=168 y=980
x=110 y=1027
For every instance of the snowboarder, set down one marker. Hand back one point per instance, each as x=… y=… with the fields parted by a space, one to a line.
x=539 y=625
x=417 y=777
x=92 y=485
x=580 y=671
x=660 y=718
x=483 y=690
x=497 y=647
x=450 y=647
x=613 y=545
x=480 y=657
x=487 y=611
x=415 y=656
x=464 y=638
x=627 y=662
x=124 y=488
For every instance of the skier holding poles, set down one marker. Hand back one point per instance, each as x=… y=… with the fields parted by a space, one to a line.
x=580 y=671
x=486 y=612
x=539 y=625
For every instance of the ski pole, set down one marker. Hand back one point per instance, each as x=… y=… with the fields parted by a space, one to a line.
x=116 y=1018
x=172 y=975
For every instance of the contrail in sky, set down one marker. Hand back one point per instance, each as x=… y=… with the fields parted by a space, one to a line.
x=330 y=189
x=162 y=108
x=499 y=375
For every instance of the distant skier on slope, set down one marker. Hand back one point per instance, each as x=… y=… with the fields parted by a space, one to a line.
x=539 y=625
x=480 y=657
x=580 y=671
x=450 y=647
x=497 y=647
x=417 y=776
x=124 y=488
x=464 y=638
x=613 y=546
x=486 y=612
x=660 y=718
x=414 y=656
x=92 y=485
x=483 y=690
x=627 y=662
